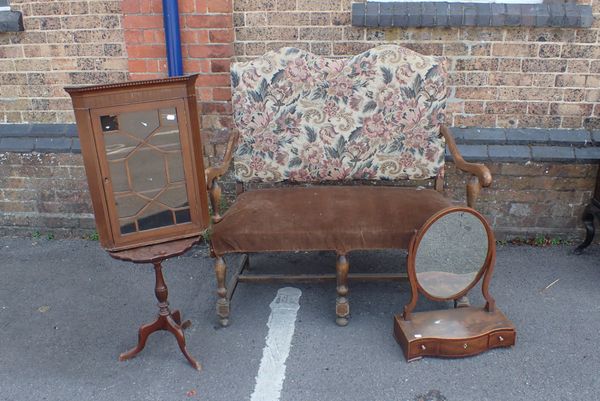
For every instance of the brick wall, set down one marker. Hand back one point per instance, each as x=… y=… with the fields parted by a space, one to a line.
x=504 y=77
x=206 y=46
x=47 y=194
x=64 y=42
x=501 y=77
x=531 y=199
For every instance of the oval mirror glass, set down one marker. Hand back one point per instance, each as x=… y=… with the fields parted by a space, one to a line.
x=451 y=253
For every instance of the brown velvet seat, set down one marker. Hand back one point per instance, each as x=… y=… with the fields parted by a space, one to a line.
x=335 y=218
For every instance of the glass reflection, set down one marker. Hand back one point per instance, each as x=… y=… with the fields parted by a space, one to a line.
x=145 y=163
x=451 y=254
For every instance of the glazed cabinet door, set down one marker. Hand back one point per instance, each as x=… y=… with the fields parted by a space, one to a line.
x=146 y=164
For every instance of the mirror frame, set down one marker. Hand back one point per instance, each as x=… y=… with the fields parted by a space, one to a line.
x=486 y=269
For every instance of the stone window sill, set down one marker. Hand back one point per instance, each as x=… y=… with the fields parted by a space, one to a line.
x=448 y=14
x=11 y=21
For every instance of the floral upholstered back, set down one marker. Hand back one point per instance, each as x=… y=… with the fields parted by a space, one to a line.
x=306 y=118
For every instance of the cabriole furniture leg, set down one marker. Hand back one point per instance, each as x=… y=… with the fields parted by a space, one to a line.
x=166 y=320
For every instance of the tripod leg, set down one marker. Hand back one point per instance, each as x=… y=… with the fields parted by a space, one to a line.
x=176 y=314
x=143 y=334
x=177 y=331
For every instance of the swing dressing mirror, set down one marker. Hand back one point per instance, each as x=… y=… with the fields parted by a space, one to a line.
x=452 y=252
x=451 y=255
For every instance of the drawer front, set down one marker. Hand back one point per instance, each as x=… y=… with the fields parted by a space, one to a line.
x=502 y=339
x=463 y=347
x=423 y=348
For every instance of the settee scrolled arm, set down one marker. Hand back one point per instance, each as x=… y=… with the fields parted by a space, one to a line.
x=215 y=172
x=481 y=175
x=212 y=175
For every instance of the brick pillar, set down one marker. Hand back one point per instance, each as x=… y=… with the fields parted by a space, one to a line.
x=207 y=48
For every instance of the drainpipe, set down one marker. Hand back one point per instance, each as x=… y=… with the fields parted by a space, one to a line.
x=172 y=37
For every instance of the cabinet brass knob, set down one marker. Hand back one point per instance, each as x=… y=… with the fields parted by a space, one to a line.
x=465 y=346
x=423 y=347
x=500 y=338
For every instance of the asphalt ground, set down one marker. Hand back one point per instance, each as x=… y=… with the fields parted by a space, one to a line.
x=67 y=310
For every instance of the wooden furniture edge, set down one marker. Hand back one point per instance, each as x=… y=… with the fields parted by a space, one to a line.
x=481 y=175
x=213 y=173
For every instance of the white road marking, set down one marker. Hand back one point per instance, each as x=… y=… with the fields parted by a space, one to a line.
x=281 y=324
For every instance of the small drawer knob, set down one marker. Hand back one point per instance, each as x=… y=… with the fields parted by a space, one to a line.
x=423 y=347
x=500 y=338
x=465 y=345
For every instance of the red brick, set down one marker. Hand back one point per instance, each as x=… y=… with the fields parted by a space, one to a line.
x=220 y=65
x=216 y=108
x=148 y=51
x=140 y=77
x=219 y=80
x=202 y=6
x=131 y=6
x=137 y=65
x=220 y=6
x=221 y=36
x=204 y=94
x=187 y=6
x=194 y=36
x=157 y=6
x=142 y=21
x=221 y=94
x=134 y=36
x=208 y=21
x=193 y=66
x=210 y=51
x=153 y=66
x=189 y=36
x=148 y=36
x=151 y=7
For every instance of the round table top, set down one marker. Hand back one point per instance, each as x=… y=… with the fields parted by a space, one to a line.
x=156 y=252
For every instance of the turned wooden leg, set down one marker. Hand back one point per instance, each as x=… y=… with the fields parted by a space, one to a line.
x=166 y=320
x=222 y=302
x=342 y=308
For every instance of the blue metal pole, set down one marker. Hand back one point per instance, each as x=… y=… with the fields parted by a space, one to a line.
x=173 y=37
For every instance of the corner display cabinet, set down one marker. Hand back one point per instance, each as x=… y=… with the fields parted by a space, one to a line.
x=144 y=163
x=143 y=159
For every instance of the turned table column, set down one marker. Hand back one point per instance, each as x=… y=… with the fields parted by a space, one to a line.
x=166 y=320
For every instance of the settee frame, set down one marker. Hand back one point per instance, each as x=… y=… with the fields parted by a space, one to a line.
x=480 y=177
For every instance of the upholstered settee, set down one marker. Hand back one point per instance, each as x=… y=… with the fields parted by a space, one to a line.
x=308 y=120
